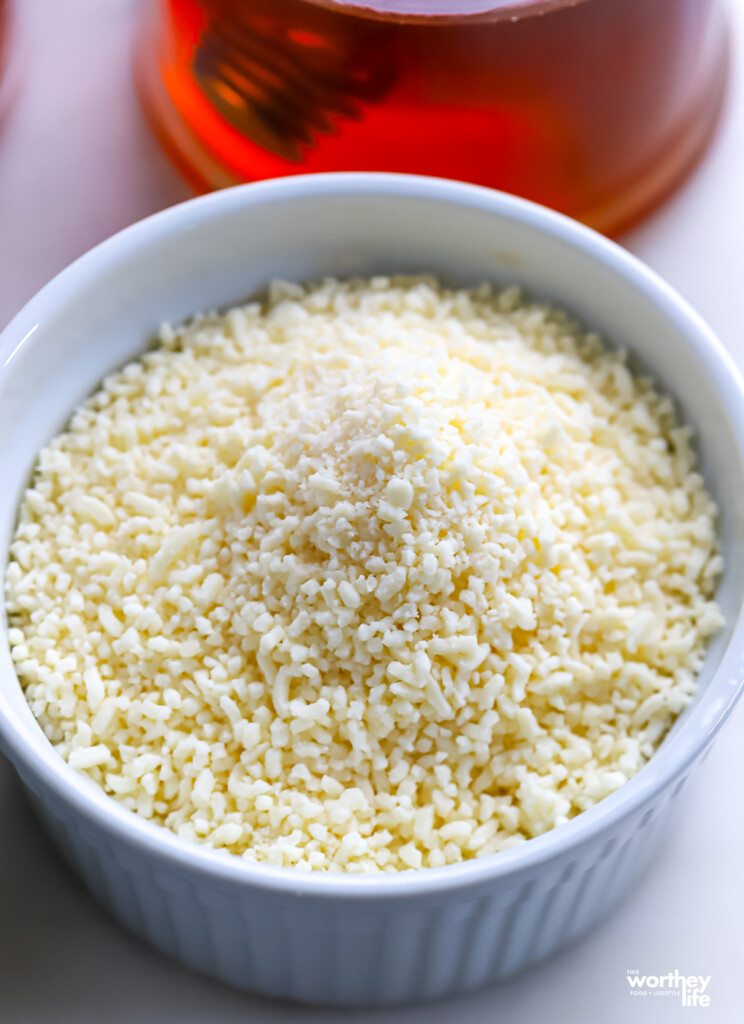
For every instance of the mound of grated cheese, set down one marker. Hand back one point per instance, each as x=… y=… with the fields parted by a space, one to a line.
x=373 y=576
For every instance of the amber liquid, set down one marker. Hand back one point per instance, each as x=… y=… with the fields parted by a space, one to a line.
x=594 y=107
x=5 y=44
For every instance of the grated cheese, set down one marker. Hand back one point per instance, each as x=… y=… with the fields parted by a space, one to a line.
x=374 y=576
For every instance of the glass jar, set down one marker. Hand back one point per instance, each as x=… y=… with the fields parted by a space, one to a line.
x=594 y=107
x=8 y=71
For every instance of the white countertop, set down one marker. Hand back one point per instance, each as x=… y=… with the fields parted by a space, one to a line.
x=77 y=162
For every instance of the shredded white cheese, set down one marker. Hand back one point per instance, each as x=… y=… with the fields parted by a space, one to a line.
x=375 y=576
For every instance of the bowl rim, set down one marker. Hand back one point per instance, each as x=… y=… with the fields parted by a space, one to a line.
x=34 y=755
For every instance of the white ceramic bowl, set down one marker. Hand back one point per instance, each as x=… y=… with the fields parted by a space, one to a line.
x=336 y=938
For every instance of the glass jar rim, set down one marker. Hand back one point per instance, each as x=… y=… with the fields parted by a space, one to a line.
x=446 y=10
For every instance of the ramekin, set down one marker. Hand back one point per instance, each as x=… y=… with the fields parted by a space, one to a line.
x=335 y=938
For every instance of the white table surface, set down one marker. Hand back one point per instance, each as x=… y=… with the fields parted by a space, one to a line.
x=77 y=162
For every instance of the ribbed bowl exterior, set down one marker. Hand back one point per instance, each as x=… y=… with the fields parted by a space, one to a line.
x=360 y=951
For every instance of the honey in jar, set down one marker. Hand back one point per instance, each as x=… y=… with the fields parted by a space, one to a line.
x=594 y=107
